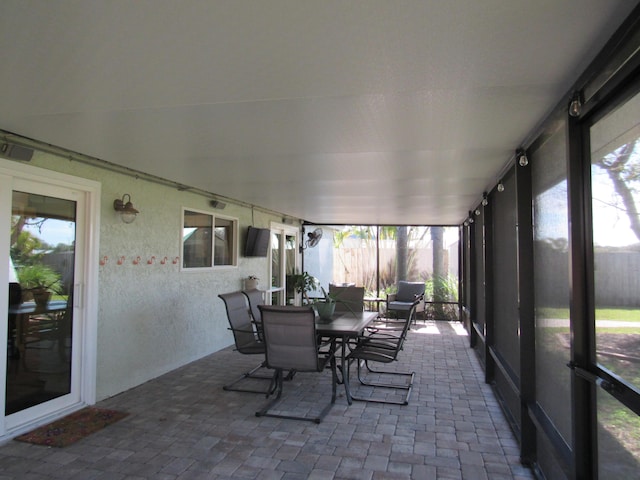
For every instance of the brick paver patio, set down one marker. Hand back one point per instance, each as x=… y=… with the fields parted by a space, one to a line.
x=184 y=426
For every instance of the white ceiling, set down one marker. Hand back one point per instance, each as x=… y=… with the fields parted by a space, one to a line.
x=333 y=111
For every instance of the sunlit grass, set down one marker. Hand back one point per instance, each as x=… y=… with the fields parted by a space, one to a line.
x=620 y=314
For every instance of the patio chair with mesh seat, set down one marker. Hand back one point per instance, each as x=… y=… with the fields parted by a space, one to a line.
x=246 y=338
x=291 y=344
x=348 y=298
x=255 y=298
x=382 y=347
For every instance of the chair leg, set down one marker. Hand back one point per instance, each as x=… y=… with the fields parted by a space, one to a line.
x=278 y=378
x=334 y=379
x=277 y=388
x=250 y=374
x=408 y=387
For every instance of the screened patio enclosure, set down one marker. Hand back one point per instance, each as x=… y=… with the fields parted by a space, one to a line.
x=377 y=257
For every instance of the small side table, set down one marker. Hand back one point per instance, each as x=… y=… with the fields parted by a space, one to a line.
x=372 y=300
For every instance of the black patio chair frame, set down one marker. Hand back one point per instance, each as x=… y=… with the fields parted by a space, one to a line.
x=247 y=341
x=291 y=344
x=381 y=347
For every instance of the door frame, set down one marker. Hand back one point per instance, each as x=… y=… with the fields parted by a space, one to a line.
x=86 y=298
x=588 y=377
x=283 y=230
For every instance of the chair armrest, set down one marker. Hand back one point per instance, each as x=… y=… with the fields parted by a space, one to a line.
x=241 y=330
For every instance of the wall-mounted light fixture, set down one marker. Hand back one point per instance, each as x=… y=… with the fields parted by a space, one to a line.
x=125 y=209
x=500 y=186
x=521 y=157
x=470 y=217
x=575 y=106
x=485 y=200
x=217 y=204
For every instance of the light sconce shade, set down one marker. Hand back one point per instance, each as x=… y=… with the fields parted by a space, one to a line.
x=521 y=156
x=470 y=217
x=125 y=209
x=500 y=186
x=477 y=212
x=575 y=107
x=485 y=200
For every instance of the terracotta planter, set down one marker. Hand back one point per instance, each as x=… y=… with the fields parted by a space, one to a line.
x=41 y=297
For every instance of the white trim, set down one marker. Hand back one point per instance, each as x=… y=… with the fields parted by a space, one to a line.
x=235 y=254
x=87 y=293
x=5 y=234
x=285 y=230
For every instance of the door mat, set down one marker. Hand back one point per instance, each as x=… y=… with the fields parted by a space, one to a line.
x=72 y=428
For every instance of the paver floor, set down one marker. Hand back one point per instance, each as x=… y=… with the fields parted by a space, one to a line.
x=183 y=426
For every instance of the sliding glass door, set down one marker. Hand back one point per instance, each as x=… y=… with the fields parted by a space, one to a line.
x=615 y=207
x=284 y=257
x=44 y=249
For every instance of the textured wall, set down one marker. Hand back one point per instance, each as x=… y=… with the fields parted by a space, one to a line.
x=153 y=318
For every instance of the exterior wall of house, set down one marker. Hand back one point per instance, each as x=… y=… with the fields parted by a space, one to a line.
x=153 y=318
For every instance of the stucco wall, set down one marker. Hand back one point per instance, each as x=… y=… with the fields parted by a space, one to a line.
x=154 y=318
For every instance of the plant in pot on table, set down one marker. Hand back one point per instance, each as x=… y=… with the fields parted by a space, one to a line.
x=303 y=283
x=326 y=306
x=40 y=281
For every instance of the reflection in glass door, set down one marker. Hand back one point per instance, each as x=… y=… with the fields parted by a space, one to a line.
x=290 y=253
x=277 y=294
x=284 y=255
x=40 y=315
x=615 y=184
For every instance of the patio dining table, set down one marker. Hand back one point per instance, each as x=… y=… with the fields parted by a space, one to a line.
x=27 y=313
x=342 y=328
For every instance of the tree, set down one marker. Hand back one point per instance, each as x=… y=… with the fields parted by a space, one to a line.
x=624 y=171
x=26 y=249
x=439 y=274
x=402 y=253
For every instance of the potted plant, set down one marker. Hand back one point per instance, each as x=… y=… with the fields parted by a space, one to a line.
x=251 y=283
x=39 y=281
x=326 y=306
x=303 y=283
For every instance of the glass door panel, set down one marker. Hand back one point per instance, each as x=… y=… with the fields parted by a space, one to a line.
x=40 y=316
x=284 y=254
x=289 y=267
x=277 y=297
x=615 y=183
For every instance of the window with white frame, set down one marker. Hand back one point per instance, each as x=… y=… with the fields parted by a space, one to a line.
x=208 y=240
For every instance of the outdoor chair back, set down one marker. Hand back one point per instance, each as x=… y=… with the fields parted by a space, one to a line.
x=382 y=347
x=255 y=298
x=241 y=323
x=410 y=295
x=291 y=344
x=246 y=339
x=348 y=299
